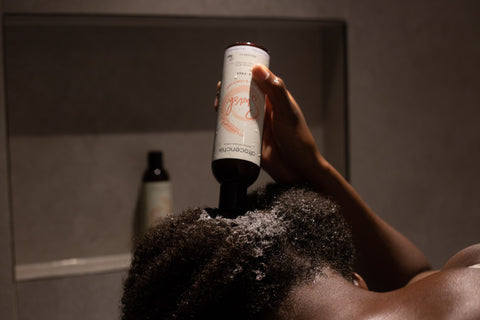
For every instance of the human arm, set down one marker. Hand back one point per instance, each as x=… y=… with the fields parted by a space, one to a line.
x=385 y=258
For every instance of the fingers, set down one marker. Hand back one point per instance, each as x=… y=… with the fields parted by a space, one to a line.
x=217 y=96
x=274 y=88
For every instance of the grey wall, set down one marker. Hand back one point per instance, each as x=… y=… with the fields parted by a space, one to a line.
x=7 y=287
x=88 y=98
x=414 y=114
x=413 y=92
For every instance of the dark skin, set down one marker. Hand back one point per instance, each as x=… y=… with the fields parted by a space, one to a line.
x=402 y=284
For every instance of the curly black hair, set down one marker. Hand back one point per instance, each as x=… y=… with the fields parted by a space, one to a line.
x=199 y=265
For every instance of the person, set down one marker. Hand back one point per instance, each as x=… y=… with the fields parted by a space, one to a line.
x=298 y=252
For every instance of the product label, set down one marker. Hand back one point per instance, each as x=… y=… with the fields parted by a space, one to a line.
x=242 y=106
x=157 y=197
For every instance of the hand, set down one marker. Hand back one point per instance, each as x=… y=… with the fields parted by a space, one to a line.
x=289 y=154
x=289 y=151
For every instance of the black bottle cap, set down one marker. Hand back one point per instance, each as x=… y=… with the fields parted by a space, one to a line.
x=233 y=199
x=155 y=159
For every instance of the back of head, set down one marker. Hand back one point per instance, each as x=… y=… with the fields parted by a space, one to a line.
x=198 y=265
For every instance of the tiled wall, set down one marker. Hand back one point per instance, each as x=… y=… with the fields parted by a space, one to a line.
x=88 y=99
x=89 y=96
x=87 y=297
x=8 y=305
x=414 y=97
x=413 y=109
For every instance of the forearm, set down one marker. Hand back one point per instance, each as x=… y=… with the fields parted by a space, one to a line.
x=385 y=258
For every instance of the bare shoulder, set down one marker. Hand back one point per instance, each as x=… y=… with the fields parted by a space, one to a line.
x=450 y=293
x=468 y=257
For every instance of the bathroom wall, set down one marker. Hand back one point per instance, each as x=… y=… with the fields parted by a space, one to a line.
x=88 y=96
x=413 y=90
x=414 y=110
x=8 y=305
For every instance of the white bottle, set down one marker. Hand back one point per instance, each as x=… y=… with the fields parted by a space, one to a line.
x=238 y=138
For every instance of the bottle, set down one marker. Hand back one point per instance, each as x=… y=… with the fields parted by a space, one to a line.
x=238 y=137
x=156 y=191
